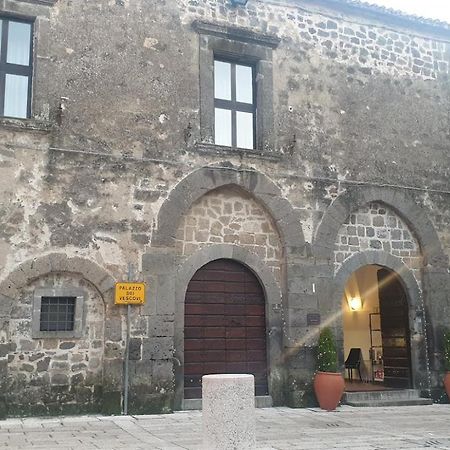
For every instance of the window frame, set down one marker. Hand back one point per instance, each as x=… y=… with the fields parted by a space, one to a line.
x=233 y=105
x=15 y=69
x=244 y=47
x=78 y=320
x=68 y=303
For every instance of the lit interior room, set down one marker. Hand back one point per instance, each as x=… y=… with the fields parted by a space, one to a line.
x=376 y=331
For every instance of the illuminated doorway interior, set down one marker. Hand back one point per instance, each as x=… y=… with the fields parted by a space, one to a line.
x=375 y=319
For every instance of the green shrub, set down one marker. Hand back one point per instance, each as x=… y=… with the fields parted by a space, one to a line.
x=327 y=354
x=447 y=350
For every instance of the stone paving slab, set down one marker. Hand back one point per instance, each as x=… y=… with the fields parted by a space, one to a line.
x=408 y=427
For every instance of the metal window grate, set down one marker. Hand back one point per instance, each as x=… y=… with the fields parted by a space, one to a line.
x=57 y=313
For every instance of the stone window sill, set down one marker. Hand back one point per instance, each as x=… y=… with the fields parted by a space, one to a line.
x=213 y=149
x=25 y=124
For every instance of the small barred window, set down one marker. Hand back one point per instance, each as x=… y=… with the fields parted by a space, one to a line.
x=57 y=313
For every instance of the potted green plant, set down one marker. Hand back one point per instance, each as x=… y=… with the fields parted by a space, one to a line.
x=328 y=382
x=447 y=362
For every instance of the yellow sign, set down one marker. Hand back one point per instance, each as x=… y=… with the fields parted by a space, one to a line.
x=129 y=293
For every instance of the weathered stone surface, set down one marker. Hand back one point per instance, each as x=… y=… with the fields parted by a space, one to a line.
x=351 y=158
x=66 y=345
x=228 y=411
x=224 y=216
x=157 y=348
x=135 y=349
x=392 y=234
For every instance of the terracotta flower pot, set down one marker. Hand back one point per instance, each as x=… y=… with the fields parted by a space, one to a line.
x=328 y=388
x=447 y=384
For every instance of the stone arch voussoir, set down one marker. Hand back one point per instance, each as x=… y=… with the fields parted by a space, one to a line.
x=203 y=180
x=34 y=268
x=380 y=258
x=404 y=204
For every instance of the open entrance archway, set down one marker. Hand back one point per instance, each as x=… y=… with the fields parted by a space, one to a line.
x=224 y=325
x=376 y=323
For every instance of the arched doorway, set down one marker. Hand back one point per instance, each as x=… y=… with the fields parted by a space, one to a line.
x=376 y=321
x=224 y=325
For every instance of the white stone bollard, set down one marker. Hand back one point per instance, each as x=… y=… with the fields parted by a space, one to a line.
x=228 y=412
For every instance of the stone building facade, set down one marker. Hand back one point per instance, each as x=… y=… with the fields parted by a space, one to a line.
x=116 y=164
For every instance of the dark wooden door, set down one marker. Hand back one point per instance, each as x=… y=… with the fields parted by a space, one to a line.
x=224 y=326
x=394 y=330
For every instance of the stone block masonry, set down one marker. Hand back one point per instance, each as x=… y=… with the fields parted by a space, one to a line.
x=357 y=107
x=55 y=375
x=371 y=47
x=232 y=217
x=378 y=227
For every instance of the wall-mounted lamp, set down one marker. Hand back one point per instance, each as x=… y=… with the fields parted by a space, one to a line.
x=239 y=2
x=355 y=303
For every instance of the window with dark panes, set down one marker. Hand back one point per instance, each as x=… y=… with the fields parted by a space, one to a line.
x=16 y=58
x=57 y=313
x=234 y=104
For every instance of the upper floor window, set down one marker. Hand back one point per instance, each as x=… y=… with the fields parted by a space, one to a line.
x=16 y=66
x=234 y=104
x=236 y=90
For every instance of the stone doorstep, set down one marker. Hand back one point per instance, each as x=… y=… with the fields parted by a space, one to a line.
x=379 y=403
x=397 y=397
x=191 y=404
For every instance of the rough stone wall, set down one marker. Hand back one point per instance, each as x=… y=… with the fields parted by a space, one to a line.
x=378 y=227
x=354 y=100
x=372 y=47
x=51 y=375
x=230 y=216
x=22 y=161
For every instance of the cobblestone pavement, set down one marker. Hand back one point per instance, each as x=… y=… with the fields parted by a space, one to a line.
x=411 y=427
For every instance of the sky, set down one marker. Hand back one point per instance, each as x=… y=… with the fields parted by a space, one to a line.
x=432 y=9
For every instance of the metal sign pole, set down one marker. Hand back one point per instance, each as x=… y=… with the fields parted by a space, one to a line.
x=127 y=350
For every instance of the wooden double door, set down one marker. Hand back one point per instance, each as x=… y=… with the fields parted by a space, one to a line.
x=224 y=326
x=394 y=318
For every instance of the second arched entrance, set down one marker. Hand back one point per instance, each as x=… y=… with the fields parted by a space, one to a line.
x=376 y=327
x=224 y=325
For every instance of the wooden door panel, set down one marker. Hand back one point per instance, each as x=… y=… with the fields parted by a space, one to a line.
x=394 y=352
x=256 y=344
x=194 y=344
x=256 y=355
x=225 y=326
x=236 y=344
x=236 y=321
x=237 y=367
x=196 y=309
x=236 y=356
x=212 y=321
x=198 y=298
x=235 y=310
x=211 y=287
x=235 y=332
x=193 y=332
x=193 y=368
x=210 y=332
x=394 y=330
x=210 y=368
x=255 y=310
x=256 y=332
